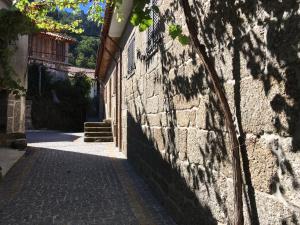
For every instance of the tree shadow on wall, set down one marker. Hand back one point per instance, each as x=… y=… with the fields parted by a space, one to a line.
x=268 y=44
x=266 y=34
x=162 y=169
x=167 y=183
x=144 y=150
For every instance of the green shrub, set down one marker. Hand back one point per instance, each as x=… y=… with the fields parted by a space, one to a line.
x=67 y=114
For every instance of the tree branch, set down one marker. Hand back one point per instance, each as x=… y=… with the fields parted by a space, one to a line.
x=236 y=164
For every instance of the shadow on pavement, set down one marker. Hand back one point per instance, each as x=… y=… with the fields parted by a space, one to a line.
x=51 y=186
x=38 y=136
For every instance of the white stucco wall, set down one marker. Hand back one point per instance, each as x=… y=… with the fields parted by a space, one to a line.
x=3 y=4
x=19 y=60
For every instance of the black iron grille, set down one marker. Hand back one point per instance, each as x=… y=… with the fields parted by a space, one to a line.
x=131 y=56
x=153 y=31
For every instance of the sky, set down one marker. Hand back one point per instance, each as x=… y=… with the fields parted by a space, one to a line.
x=83 y=7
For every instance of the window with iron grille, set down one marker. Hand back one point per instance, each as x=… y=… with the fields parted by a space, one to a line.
x=153 y=34
x=131 y=57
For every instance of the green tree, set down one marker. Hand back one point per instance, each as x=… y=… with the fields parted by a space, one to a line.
x=90 y=28
x=84 y=53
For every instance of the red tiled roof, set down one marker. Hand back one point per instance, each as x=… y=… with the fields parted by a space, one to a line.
x=59 y=36
x=89 y=72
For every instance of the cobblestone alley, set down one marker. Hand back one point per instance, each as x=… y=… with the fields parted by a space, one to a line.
x=62 y=180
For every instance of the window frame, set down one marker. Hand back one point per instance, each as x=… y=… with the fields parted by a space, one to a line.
x=131 y=55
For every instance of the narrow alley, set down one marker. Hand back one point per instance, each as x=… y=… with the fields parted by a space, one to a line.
x=190 y=112
x=62 y=180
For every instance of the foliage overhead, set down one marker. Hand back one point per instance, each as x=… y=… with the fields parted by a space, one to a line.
x=39 y=12
x=13 y=24
x=90 y=28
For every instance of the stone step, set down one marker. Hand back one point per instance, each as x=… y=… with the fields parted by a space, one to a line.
x=20 y=144
x=97 y=129
x=96 y=124
x=98 y=139
x=97 y=134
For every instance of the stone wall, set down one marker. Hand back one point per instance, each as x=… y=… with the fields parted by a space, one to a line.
x=28 y=119
x=3 y=110
x=15 y=114
x=174 y=132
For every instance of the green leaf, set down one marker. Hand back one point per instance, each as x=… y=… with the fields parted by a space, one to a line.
x=134 y=20
x=183 y=39
x=148 y=22
x=143 y=27
x=175 y=30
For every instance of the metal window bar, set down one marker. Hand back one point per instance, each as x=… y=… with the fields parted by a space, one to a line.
x=131 y=57
x=153 y=31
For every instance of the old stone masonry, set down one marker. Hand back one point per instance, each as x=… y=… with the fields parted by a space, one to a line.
x=64 y=181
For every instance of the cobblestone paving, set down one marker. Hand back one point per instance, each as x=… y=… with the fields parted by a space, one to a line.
x=68 y=182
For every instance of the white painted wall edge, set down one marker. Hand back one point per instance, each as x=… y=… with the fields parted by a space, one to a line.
x=116 y=28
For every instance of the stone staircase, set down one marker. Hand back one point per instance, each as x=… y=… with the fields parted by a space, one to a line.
x=98 y=132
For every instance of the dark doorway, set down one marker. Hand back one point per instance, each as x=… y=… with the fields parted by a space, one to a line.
x=3 y=110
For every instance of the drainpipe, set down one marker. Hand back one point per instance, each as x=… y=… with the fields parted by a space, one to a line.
x=117 y=105
x=120 y=115
x=118 y=93
x=119 y=97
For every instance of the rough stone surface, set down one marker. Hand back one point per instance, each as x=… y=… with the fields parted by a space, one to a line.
x=152 y=105
x=183 y=118
x=257 y=110
x=158 y=138
x=181 y=143
x=20 y=144
x=262 y=164
x=17 y=116
x=154 y=120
